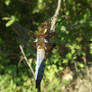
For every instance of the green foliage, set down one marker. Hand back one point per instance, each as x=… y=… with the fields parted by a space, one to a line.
x=7 y=2
x=11 y=21
x=73 y=42
x=7 y=84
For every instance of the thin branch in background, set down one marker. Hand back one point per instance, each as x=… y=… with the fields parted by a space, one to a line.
x=54 y=18
x=25 y=58
x=21 y=59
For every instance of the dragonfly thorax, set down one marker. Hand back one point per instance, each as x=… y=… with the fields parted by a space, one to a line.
x=41 y=40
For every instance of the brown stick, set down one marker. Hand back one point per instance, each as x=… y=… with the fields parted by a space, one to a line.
x=25 y=58
x=54 y=18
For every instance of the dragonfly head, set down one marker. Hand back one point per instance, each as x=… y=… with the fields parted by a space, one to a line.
x=45 y=25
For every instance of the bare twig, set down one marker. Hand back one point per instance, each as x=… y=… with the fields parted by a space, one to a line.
x=25 y=58
x=21 y=58
x=54 y=18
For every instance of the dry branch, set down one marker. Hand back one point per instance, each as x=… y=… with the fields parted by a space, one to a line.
x=25 y=58
x=54 y=18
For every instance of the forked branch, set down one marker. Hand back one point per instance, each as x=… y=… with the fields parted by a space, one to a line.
x=25 y=58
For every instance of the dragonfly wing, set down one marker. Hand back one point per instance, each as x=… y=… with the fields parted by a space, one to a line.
x=50 y=35
x=34 y=45
x=22 y=34
x=39 y=66
x=50 y=46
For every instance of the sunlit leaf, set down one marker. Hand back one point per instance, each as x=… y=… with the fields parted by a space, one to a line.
x=63 y=28
x=6 y=18
x=65 y=61
x=80 y=65
x=11 y=21
x=69 y=56
x=7 y=2
x=67 y=13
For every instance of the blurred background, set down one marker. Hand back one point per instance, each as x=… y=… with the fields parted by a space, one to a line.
x=68 y=66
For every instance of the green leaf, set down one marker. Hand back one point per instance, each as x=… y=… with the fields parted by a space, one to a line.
x=7 y=2
x=69 y=56
x=80 y=65
x=65 y=61
x=63 y=28
x=11 y=21
x=67 y=13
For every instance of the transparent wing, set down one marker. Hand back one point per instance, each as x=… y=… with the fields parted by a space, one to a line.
x=22 y=33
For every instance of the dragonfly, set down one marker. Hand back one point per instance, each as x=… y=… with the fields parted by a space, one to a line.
x=42 y=45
